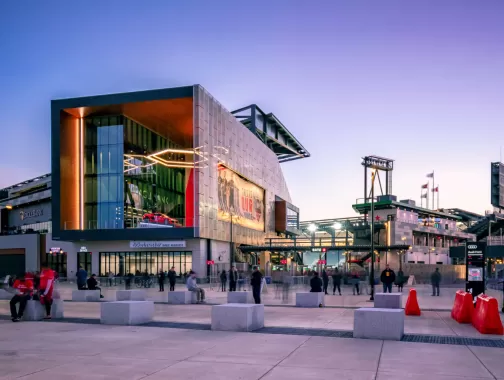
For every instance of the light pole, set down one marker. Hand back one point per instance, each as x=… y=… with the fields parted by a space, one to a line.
x=231 y=245
x=371 y=276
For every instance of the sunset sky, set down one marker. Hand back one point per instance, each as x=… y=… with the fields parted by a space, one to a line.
x=421 y=82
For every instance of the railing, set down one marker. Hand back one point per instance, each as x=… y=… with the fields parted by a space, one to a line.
x=125 y=223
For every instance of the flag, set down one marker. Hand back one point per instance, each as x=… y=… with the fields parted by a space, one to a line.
x=425 y=186
x=436 y=189
x=430 y=175
x=424 y=195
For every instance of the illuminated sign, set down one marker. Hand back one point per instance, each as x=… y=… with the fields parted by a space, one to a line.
x=31 y=214
x=158 y=244
x=283 y=261
x=240 y=201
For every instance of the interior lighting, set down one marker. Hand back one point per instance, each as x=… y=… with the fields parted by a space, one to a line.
x=337 y=226
x=312 y=228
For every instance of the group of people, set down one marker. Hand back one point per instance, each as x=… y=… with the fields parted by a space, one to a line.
x=85 y=283
x=235 y=277
x=38 y=286
x=172 y=279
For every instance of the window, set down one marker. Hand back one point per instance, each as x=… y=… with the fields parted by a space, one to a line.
x=122 y=263
x=84 y=261
x=57 y=262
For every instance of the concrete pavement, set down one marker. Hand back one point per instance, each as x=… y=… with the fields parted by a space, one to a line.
x=54 y=350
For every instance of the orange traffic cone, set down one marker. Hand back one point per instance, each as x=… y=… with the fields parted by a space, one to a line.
x=412 y=307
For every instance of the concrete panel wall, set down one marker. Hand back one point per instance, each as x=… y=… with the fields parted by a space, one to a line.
x=30 y=243
x=224 y=139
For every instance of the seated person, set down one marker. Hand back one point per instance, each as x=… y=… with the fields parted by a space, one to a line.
x=315 y=283
x=92 y=284
x=192 y=286
x=24 y=288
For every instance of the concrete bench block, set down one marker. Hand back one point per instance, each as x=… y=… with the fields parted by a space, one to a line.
x=5 y=295
x=85 y=295
x=388 y=300
x=375 y=323
x=131 y=295
x=240 y=297
x=57 y=309
x=237 y=317
x=310 y=299
x=126 y=312
x=182 y=297
x=34 y=311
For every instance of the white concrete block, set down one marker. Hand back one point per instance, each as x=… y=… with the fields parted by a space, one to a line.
x=240 y=297
x=182 y=297
x=131 y=295
x=5 y=295
x=57 y=309
x=237 y=317
x=126 y=312
x=308 y=299
x=374 y=323
x=34 y=311
x=388 y=300
x=85 y=295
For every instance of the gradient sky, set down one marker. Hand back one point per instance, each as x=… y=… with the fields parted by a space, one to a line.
x=418 y=81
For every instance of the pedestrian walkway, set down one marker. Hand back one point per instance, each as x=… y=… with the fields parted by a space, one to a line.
x=57 y=351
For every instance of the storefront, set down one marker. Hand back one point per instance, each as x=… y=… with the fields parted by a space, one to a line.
x=122 y=263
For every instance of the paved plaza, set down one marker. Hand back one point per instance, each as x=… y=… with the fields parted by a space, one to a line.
x=296 y=343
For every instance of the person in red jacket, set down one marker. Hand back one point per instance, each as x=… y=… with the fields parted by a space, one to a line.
x=46 y=288
x=24 y=288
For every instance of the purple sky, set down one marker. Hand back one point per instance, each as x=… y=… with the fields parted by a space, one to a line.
x=421 y=82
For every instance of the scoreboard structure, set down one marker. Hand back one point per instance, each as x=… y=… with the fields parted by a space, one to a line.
x=497 y=185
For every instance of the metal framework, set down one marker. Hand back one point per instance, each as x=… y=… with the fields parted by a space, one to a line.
x=271 y=132
x=379 y=164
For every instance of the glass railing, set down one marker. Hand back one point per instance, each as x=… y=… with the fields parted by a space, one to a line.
x=162 y=221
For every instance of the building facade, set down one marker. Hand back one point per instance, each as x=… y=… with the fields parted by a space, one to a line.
x=145 y=181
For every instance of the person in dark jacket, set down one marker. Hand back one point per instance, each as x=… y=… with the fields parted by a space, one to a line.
x=435 y=281
x=256 y=283
x=92 y=284
x=400 y=280
x=223 y=280
x=81 y=278
x=336 y=280
x=325 y=280
x=161 y=280
x=233 y=278
x=387 y=278
x=172 y=278
x=315 y=283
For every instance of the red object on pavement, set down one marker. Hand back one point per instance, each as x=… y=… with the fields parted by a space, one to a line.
x=486 y=318
x=463 y=307
x=412 y=307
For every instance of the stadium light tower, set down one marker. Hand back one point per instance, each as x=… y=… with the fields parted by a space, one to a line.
x=312 y=228
x=371 y=275
x=337 y=226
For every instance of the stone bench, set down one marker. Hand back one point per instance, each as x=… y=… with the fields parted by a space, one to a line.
x=85 y=295
x=5 y=295
x=126 y=312
x=388 y=300
x=57 y=309
x=131 y=295
x=182 y=297
x=375 y=323
x=308 y=299
x=240 y=297
x=237 y=317
x=34 y=311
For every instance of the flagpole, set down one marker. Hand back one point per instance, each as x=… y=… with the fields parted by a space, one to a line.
x=433 y=189
x=437 y=191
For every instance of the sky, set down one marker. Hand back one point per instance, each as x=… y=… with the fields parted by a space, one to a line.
x=418 y=81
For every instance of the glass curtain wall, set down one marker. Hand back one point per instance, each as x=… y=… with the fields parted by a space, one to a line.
x=137 y=263
x=103 y=173
x=122 y=187
x=57 y=262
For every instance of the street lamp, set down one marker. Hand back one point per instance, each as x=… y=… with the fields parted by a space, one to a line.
x=371 y=276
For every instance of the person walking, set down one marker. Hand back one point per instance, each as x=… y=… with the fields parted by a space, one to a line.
x=315 y=283
x=256 y=283
x=435 y=281
x=161 y=280
x=325 y=280
x=400 y=280
x=110 y=278
x=223 y=280
x=23 y=287
x=233 y=278
x=356 y=281
x=336 y=280
x=172 y=278
x=387 y=278
x=81 y=278
x=192 y=286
